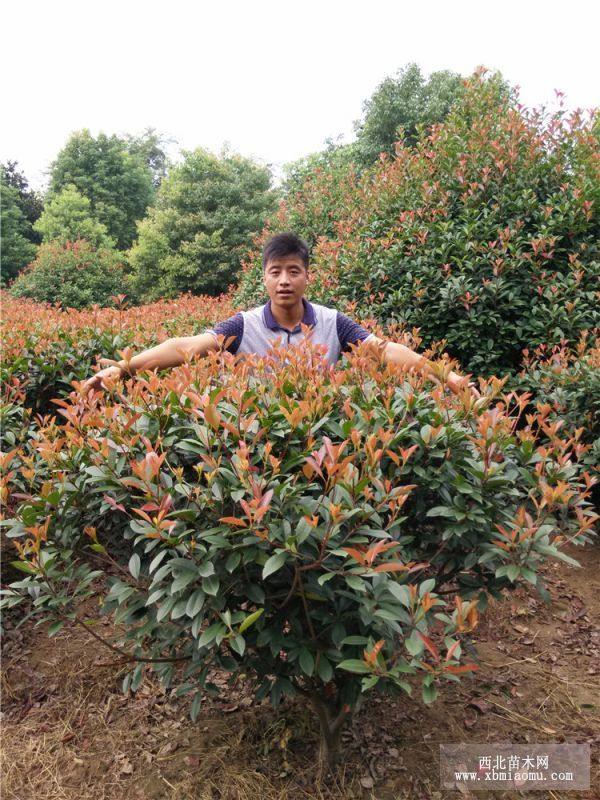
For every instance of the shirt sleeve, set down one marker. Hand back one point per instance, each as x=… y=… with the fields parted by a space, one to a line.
x=350 y=332
x=234 y=326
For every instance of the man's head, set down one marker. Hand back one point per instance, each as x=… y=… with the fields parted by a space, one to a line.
x=285 y=269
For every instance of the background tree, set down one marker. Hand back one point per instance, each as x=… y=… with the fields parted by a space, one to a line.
x=117 y=182
x=68 y=217
x=404 y=101
x=207 y=211
x=17 y=247
x=29 y=201
x=335 y=156
x=150 y=146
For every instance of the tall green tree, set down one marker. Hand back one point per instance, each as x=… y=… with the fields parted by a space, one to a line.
x=207 y=211
x=334 y=157
x=150 y=147
x=68 y=218
x=117 y=182
x=399 y=105
x=17 y=249
x=29 y=201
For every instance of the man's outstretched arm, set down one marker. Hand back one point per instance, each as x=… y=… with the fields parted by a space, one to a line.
x=167 y=354
x=397 y=353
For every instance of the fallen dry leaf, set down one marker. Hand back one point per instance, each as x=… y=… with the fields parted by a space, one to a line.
x=520 y=628
x=126 y=767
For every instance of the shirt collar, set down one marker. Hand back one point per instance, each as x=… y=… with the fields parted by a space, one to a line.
x=308 y=317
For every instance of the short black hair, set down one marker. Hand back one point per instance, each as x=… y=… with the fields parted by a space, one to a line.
x=285 y=244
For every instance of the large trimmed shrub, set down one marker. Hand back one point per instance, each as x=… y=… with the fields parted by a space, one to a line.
x=75 y=274
x=485 y=234
x=323 y=531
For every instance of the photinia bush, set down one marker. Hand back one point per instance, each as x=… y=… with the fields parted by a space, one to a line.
x=567 y=379
x=325 y=531
x=45 y=348
x=485 y=234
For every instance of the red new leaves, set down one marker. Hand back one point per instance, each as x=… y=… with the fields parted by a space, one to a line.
x=149 y=467
x=254 y=510
x=159 y=522
x=367 y=557
x=450 y=663
x=327 y=457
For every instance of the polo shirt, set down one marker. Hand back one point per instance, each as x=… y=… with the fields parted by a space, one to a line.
x=257 y=330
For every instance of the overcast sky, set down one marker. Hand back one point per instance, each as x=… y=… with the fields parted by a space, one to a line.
x=273 y=79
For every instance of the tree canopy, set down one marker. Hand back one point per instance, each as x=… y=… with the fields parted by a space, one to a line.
x=29 y=201
x=150 y=145
x=207 y=211
x=17 y=247
x=67 y=218
x=116 y=180
x=399 y=105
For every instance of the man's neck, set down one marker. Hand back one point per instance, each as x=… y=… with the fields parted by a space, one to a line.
x=288 y=317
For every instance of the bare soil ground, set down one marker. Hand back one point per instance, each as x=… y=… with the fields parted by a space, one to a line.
x=69 y=733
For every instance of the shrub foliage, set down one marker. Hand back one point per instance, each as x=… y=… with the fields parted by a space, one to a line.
x=46 y=348
x=292 y=522
x=485 y=233
x=75 y=274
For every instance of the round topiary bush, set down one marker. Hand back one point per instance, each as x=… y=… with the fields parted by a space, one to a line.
x=75 y=274
x=325 y=531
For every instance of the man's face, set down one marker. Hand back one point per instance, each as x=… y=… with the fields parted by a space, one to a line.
x=285 y=280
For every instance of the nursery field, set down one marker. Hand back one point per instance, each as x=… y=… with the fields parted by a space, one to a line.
x=274 y=577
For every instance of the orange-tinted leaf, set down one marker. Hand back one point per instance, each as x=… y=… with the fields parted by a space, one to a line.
x=394 y=457
x=356 y=554
x=234 y=521
x=429 y=645
x=380 y=547
x=266 y=499
x=370 y=656
x=452 y=650
x=393 y=566
x=420 y=565
x=462 y=668
x=142 y=514
x=212 y=416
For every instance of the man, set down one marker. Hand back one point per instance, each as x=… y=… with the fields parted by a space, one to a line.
x=285 y=276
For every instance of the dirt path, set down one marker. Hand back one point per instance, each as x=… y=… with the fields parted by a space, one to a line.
x=69 y=733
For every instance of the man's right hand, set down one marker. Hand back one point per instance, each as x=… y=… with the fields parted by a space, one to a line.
x=95 y=384
x=165 y=355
